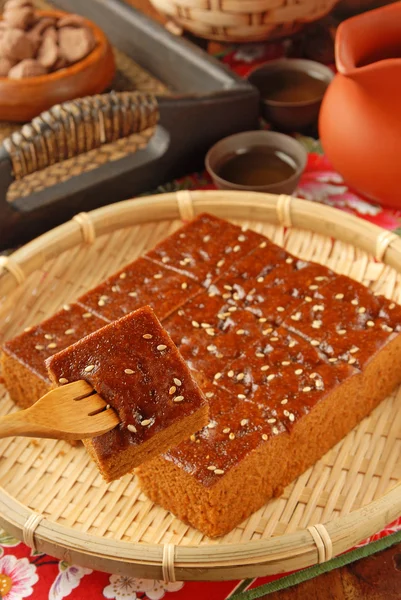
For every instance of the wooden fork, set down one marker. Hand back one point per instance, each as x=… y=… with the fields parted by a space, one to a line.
x=71 y=412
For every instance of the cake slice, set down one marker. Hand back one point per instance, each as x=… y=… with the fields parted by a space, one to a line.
x=134 y=365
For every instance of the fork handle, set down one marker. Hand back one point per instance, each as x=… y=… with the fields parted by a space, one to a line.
x=21 y=424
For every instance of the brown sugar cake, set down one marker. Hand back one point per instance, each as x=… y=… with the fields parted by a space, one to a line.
x=23 y=357
x=296 y=389
x=134 y=365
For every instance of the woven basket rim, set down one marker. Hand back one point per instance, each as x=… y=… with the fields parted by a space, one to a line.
x=218 y=561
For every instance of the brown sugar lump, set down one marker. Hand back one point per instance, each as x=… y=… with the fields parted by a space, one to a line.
x=347 y=321
x=16 y=45
x=75 y=43
x=27 y=68
x=141 y=283
x=23 y=357
x=134 y=365
x=205 y=248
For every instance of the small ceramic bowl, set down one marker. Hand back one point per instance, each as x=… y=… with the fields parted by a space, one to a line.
x=290 y=115
x=247 y=140
x=23 y=99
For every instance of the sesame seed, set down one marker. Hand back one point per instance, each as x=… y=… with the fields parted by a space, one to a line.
x=211 y=468
x=286 y=413
x=210 y=331
x=123 y=275
x=361 y=310
x=240 y=376
x=146 y=422
x=313 y=287
x=232 y=436
x=172 y=390
x=226 y=430
x=115 y=288
x=177 y=381
x=181 y=313
x=89 y=368
x=354 y=349
x=244 y=422
x=292 y=344
x=306 y=388
x=178 y=399
x=370 y=323
x=48 y=336
x=237 y=248
x=315 y=343
x=341 y=331
x=333 y=360
x=265 y=367
x=63 y=380
x=228 y=287
x=339 y=296
x=263 y=245
x=296 y=317
x=316 y=324
x=391 y=306
x=192 y=437
x=211 y=348
x=241 y=238
x=147 y=336
x=289 y=260
x=272 y=420
x=319 y=384
x=128 y=371
x=219 y=472
x=280 y=309
x=69 y=331
x=101 y=303
x=236 y=296
x=274 y=339
x=262 y=320
x=52 y=345
x=66 y=307
x=39 y=347
x=352 y=360
x=226 y=296
x=132 y=294
x=291 y=417
x=260 y=354
x=221 y=263
x=285 y=363
x=223 y=315
x=27 y=329
x=284 y=401
x=131 y=428
x=161 y=347
x=260 y=279
x=387 y=328
x=317 y=307
x=209 y=394
x=87 y=315
x=265 y=436
x=211 y=425
x=270 y=377
x=206 y=238
x=313 y=375
x=157 y=276
x=230 y=373
x=241 y=396
x=232 y=309
x=308 y=299
x=320 y=278
x=267 y=331
x=298 y=371
x=275 y=430
x=217 y=375
x=240 y=331
x=354 y=302
x=165 y=259
x=184 y=285
x=108 y=406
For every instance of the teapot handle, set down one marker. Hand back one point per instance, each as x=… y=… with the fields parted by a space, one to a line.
x=368 y=38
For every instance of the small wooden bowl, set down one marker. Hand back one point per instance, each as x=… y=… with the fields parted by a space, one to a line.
x=24 y=99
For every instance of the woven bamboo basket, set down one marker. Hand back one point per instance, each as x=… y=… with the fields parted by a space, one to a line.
x=243 y=20
x=52 y=495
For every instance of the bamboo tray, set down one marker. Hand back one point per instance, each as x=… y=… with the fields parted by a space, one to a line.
x=52 y=495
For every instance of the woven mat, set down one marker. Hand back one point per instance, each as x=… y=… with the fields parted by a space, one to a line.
x=129 y=77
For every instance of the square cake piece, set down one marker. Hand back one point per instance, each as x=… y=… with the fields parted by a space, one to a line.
x=23 y=357
x=134 y=365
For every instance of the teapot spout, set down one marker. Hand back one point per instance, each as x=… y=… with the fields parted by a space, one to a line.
x=365 y=42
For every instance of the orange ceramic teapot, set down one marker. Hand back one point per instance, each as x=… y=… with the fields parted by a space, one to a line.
x=360 y=117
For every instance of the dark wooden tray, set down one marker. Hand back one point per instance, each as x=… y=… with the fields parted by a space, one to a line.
x=206 y=102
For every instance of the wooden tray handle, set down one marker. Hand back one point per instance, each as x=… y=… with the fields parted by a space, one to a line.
x=77 y=126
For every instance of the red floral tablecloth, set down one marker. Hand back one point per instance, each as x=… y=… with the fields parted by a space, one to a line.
x=24 y=573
